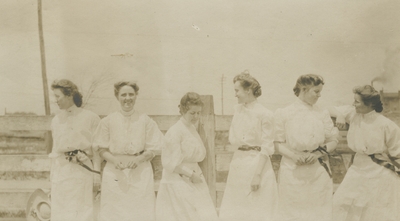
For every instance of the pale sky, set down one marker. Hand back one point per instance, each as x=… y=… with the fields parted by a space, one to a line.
x=171 y=47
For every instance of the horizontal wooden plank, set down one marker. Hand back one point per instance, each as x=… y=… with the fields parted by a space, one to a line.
x=23 y=185
x=33 y=123
x=24 y=149
x=28 y=163
x=23 y=134
x=343 y=149
x=223 y=161
x=24 y=175
x=11 y=213
x=11 y=219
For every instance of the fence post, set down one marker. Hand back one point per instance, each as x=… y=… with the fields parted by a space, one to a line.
x=207 y=133
x=48 y=139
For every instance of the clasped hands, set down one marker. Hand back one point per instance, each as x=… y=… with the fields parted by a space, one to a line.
x=131 y=164
x=305 y=158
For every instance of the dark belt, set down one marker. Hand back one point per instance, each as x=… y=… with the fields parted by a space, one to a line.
x=139 y=153
x=321 y=161
x=71 y=154
x=387 y=162
x=247 y=148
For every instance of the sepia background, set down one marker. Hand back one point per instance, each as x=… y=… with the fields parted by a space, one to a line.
x=173 y=46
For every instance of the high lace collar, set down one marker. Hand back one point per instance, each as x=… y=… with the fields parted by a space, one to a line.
x=72 y=109
x=187 y=123
x=250 y=105
x=369 y=114
x=301 y=102
x=127 y=113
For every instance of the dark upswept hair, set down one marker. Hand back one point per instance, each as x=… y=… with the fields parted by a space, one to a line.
x=68 y=88
x=248 y=82
x=369 y=96
x=120 y=84
x=189 y=99
x=307 y=81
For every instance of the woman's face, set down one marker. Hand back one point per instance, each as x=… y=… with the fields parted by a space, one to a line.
x=361 y=108
x=193 y=114
x=127 y=97
x=311 y=95
x=242 y=94
x=64 y=102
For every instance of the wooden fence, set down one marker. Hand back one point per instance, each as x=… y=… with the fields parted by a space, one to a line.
x=215 y=166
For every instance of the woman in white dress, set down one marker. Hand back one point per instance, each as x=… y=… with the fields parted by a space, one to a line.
x=251 y=191
x=304 y=133
x=127 y=140
x=183 y=194
x=71 y=180
x=370 y=190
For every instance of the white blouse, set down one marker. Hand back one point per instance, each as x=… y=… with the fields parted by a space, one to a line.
x=371 y=133
x=73 y=129
x=183 y=145
x=253 y=126
x=304 y=127
x=128 y=134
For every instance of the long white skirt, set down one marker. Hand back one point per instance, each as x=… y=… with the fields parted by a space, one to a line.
x=239 y=202
x=179 y=199
x=369 y=192
x=71 y=192
x=127 y=195
x=305 y=192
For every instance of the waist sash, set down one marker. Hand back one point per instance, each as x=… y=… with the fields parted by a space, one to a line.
x=71 y=157
x=388 y=162
x=321 y=161
x=247 y=148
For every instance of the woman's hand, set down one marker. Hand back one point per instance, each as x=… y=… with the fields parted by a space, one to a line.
x=299 y=158
x=81 y=157
x=132 y=164
x=196 y=177
x=311 y=158
x=255 y=182
x=119 y=166
x=340 y=122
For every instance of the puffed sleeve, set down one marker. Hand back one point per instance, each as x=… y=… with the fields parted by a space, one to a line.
x=392 y=139
x=267 y=126
x=331 y=132
x=154 y=137
x=171 y=156
x=102 y=135
x=279 y=126
x=348 y=112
